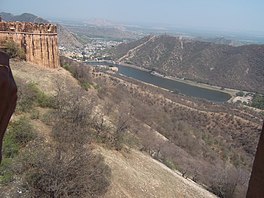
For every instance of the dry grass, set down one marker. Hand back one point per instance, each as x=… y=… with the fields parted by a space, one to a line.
x=46 y=79
x=135 y=174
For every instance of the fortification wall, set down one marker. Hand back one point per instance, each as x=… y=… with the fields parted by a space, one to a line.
x=39 y=41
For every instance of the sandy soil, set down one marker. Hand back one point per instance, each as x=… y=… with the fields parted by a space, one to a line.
x=135 y=174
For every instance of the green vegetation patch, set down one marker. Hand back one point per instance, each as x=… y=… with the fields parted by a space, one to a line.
x=6 y=173
x=86 y=85
x=240 y=93
x=80 y=72
x=258 y=101
x=14 y=51
x=33 y=96
x=18 y=135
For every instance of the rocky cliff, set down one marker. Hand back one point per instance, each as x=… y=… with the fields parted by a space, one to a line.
x=39 y=41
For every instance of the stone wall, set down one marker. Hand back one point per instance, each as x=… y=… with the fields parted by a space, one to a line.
x=39 y=41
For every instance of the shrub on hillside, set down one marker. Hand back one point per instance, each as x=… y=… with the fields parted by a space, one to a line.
x=29 y=95
x=19 y=134
x=80 y=71
x=68 y=168
x=54 y=173
x=225 y=183
x=14 y=51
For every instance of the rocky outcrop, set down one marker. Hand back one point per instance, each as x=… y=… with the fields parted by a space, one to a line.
x=39 y=41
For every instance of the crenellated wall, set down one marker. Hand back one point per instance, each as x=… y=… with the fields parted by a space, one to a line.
x=39 y=41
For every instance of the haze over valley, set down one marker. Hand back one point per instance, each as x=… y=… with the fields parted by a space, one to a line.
x=166 y=100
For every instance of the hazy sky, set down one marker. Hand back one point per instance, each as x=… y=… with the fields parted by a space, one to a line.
x=230 y=15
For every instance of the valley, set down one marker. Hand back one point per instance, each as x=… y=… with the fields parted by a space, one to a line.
x=182 y=121
x=220 y=65
x=174 y=85
x=132 y=115
x=127 y=159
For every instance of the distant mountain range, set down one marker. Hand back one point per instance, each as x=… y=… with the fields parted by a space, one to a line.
x=66 y=38
x=25 y=17
x=107 y=32
x=217 y=64
x=101 y=22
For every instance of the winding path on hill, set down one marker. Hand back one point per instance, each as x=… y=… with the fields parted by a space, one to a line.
x=132 y=51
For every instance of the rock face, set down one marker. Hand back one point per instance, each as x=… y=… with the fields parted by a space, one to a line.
x=39 y=41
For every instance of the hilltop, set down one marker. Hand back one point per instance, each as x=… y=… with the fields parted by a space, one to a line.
x=25 y=17
x=66 y=38
x=223 y=65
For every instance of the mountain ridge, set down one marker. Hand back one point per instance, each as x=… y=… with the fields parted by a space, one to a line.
x=24 y=17
x=223 y=65
x=66 y=38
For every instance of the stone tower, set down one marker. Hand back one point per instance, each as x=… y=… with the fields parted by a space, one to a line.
x=39 y=41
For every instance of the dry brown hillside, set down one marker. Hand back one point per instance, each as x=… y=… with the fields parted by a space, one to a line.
x=136 y=174
x=217 y=64
x=133 y=173
x=213 y=144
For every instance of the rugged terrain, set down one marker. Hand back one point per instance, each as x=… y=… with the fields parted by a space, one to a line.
x=239 y=67
x=213 y=144
x=134 y=173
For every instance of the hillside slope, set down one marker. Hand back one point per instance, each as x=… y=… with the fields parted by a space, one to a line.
x=66 y=38
x=222 y=65
x=134 y=174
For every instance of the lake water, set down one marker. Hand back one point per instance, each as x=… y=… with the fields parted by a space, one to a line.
x=178 y=87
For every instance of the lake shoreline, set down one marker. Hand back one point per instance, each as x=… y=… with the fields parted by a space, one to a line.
x=231 y=92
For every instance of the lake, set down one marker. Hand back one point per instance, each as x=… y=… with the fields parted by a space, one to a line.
x=174 y=86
